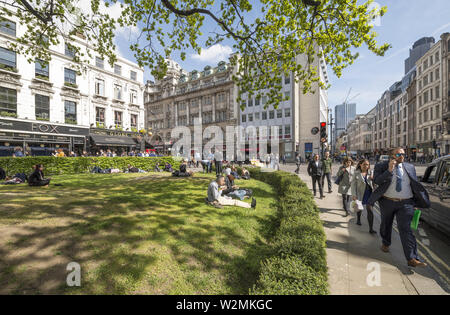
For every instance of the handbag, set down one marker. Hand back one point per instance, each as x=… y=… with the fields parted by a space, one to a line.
x=339 y=179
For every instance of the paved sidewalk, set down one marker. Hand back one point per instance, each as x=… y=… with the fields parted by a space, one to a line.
x=354 y=255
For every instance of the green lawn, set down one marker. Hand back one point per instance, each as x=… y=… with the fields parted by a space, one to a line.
x=131 y=234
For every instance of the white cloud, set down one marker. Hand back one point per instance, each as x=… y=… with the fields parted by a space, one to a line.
x=214 y=53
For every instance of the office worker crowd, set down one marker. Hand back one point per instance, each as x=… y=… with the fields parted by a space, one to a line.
x=393 y=185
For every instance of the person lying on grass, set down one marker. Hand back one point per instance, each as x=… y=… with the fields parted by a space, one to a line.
x=216 y=199
x=133 y=169
x=37 y=177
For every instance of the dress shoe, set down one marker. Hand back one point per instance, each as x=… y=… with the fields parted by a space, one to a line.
x=385 y=248
x=416 y=263
x=373 y=232
x=330 y=191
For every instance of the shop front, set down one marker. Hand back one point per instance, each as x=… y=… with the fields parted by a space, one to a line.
x=119 y=142
x=40 y=138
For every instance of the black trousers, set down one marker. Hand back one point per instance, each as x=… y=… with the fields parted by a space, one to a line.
x=328 y=176
x=298 y=168
x=218 y=167
x=346 y=202
x=403 y=211
x=318 y=180
x=44 y=182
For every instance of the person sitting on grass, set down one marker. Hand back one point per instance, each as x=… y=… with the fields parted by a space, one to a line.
x=2 y=174
x=168 y=167
x=183 y=172
x=234 y=172
x=245 y=174
x=37 y=177
x=216 y=199
x=157 y=169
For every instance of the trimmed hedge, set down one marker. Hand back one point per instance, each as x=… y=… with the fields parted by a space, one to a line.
x=77 y=165
x=298 y=263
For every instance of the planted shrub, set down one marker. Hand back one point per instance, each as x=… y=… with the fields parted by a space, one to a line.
x=77 y=165
x=298 y=262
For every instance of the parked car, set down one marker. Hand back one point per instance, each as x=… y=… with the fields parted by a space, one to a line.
x=437 y=182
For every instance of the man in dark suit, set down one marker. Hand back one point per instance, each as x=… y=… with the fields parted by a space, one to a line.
x=315 y=170
x=398 y=193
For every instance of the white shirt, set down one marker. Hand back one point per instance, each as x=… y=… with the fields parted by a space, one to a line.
x=406 y=192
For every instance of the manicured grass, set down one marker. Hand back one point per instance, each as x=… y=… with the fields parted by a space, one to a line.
x=131 y=234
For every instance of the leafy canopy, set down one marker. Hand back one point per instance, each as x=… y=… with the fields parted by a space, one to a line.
x=266 y=37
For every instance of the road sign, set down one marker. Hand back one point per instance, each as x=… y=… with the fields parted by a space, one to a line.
x=315 y=131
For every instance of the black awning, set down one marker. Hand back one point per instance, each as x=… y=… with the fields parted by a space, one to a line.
x=101 y=140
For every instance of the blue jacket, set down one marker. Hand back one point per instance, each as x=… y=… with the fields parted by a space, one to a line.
x=383 y=178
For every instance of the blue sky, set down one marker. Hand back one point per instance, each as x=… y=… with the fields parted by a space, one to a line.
x=404 y=23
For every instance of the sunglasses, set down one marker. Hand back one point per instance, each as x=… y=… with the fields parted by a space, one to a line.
x=400 y=154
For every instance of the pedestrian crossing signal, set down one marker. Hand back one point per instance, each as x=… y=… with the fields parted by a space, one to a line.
x=323 y=130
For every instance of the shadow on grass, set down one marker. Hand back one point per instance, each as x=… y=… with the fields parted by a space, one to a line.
x=123 y=229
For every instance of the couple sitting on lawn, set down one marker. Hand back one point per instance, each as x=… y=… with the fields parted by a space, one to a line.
x=221 y=193
x=35 y=179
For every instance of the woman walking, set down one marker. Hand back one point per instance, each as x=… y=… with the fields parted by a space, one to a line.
x=362 y=187
x=345 y=174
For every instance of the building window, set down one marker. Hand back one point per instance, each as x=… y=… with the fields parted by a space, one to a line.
x=69 y=50
x=133 y=75
x=8 y=101
x=41 y=69
x=118 y=118
x=7 y=27
x=287 y=112
x=271 y=114
x=70 y=112
x=99 y=115
x=257 y=116
x=250 y=102
x=7 y=58
x=70 y=76
x=133 y=120
x=250 y=117
x=207 y=100
x=264 y=115
x=100 y=87
x=117 y=92
x=133 y=97
x=257 y=101
x=244 y=118
x=287 y=130
x=279 y=113
x=99 y=62
x=42 y=107
x=287 y=80
x=438 y=92
x=117 y=69
x=264 y=100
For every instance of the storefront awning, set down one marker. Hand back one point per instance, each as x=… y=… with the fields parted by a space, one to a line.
x=101 y=140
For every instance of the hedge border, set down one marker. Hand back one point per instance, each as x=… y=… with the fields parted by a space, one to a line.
x=298 y=263
x=79 y=165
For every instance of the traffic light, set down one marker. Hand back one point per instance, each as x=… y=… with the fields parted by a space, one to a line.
x=323 y=131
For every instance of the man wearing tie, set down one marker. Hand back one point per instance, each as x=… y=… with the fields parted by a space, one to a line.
x=398 y=193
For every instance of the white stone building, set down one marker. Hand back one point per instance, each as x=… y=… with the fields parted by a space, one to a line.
x=44 y=106
x=296 y=117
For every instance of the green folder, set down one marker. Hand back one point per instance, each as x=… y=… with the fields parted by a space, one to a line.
x=415 y=220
